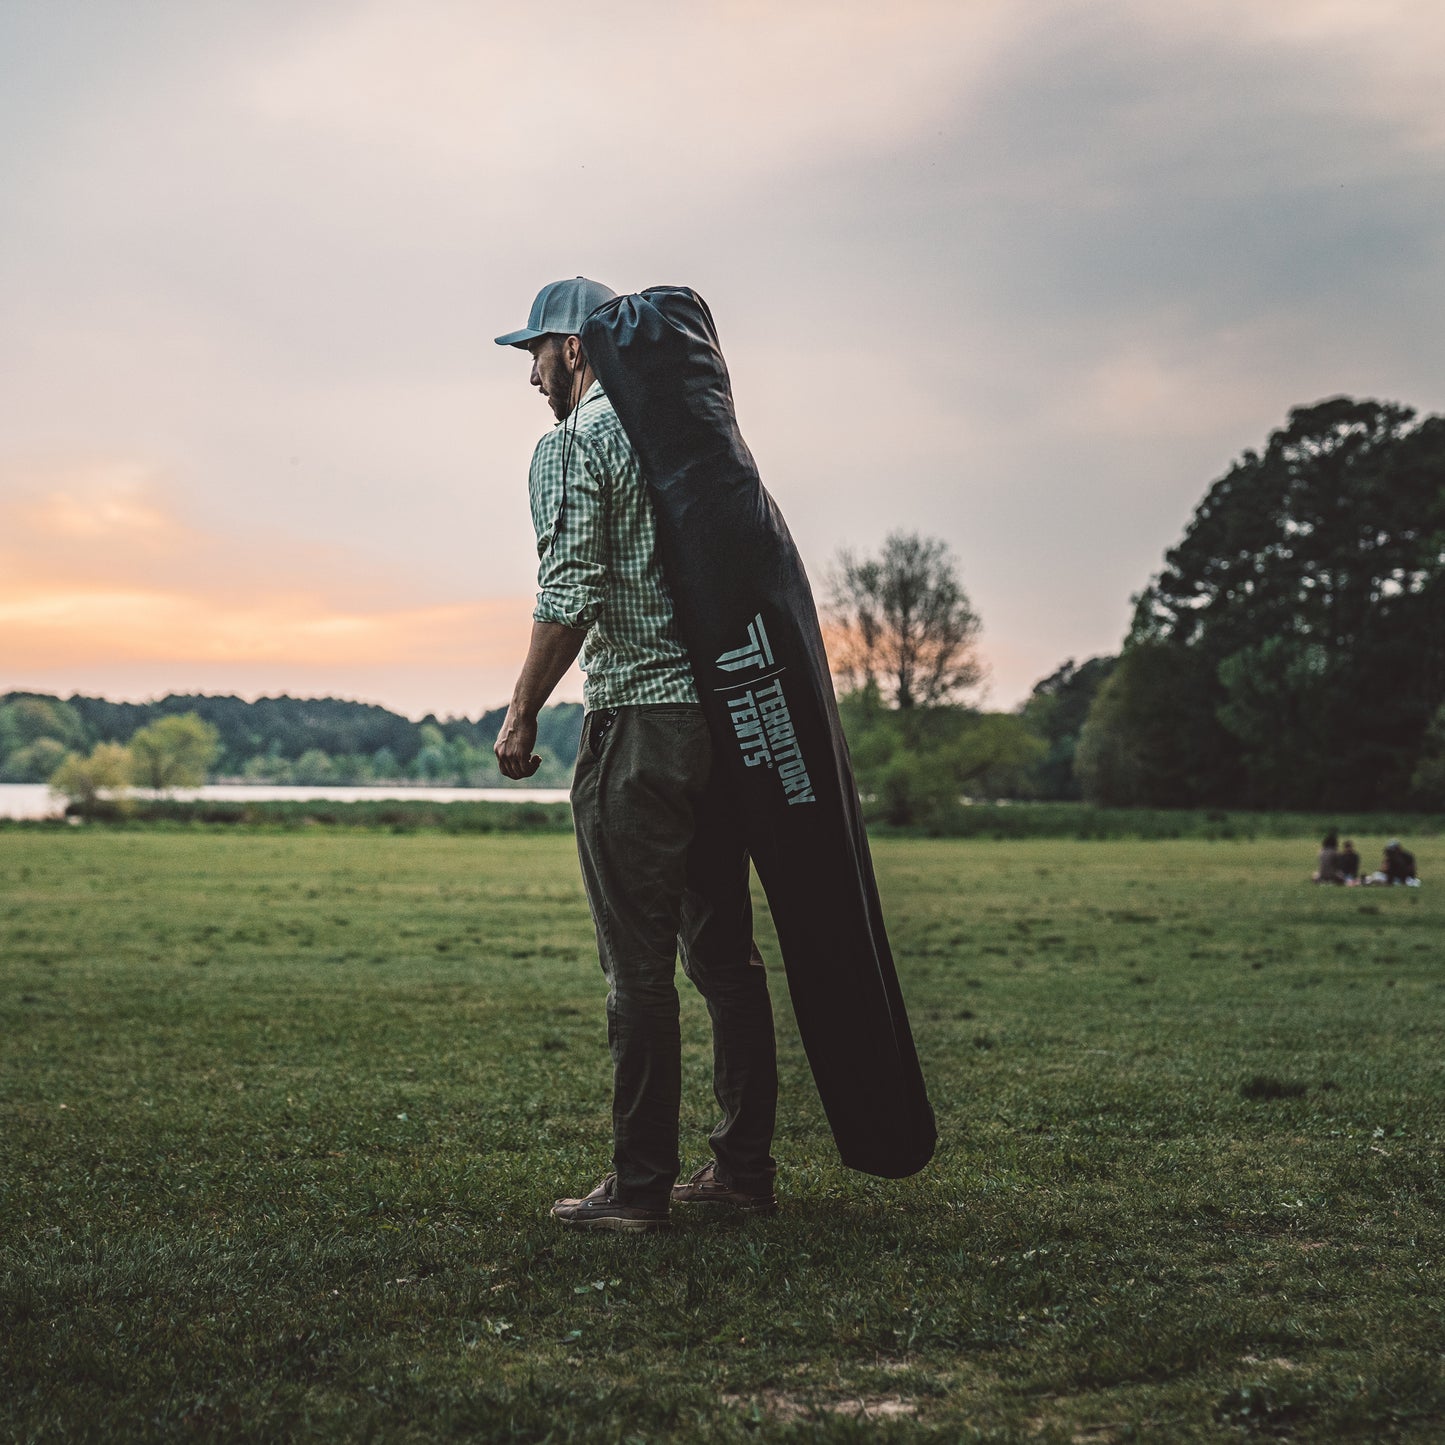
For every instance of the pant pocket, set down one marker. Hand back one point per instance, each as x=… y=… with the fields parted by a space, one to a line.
x=599 y=724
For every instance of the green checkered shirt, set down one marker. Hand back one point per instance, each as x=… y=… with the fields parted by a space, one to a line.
x=599 y=568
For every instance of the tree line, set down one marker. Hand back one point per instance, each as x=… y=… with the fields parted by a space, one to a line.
x=270 y=740
x=1289 y=654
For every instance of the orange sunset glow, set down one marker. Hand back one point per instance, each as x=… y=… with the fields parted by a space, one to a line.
x=99 y=573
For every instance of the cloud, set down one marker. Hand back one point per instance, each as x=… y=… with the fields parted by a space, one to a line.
x=112 y=506
x=712 y=95
x=1377 y=59
x=62 y=621
x=99 y=568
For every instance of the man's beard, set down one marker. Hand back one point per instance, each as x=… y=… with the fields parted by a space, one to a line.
x=560 y=384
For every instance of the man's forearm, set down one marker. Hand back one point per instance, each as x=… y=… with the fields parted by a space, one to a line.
x=552 y=650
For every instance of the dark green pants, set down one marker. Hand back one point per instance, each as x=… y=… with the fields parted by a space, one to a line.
x=665 y=864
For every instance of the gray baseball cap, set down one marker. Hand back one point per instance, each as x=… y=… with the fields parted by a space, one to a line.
x=560 y=310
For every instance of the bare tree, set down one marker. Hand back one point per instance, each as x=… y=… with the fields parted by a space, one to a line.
x=904 y=624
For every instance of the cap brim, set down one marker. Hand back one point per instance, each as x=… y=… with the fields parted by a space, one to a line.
x=519 y=338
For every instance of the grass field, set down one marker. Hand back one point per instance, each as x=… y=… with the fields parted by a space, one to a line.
x=283 y=1115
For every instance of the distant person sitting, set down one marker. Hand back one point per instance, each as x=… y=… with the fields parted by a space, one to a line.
x=1399 y=864
x=1347 y=862
x=1327 y=867
x=1397 y=867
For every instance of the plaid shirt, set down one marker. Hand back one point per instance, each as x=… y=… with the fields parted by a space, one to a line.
x=599 y=568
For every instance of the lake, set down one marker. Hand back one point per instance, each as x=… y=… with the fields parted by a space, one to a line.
x=35 y=800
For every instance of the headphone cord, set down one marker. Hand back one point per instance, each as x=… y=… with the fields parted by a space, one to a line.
x=569 y=441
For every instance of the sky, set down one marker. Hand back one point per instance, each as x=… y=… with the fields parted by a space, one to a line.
x=1023 y=275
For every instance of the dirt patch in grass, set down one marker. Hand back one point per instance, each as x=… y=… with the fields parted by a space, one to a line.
x=779 y=1405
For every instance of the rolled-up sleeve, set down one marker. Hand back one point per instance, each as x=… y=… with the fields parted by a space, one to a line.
x=570 y=522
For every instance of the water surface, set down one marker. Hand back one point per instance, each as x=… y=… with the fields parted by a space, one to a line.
x=35 y=800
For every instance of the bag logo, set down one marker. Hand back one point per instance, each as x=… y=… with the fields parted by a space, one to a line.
x=766 y=737
x=756 y=652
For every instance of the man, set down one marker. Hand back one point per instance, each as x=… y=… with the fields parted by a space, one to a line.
x=662 y=855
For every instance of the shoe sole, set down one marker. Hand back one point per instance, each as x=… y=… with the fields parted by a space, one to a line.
x=760 y=1210
x=614 y=1222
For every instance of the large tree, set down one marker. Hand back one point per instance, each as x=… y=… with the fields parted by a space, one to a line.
x=173 y=752
x=1302 y=617
x=902 y=623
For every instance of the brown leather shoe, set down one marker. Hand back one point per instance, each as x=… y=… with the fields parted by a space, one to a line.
x=706 y=1188
x=599 y=1210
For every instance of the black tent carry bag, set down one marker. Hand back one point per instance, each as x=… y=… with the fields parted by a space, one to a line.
x=746 y=615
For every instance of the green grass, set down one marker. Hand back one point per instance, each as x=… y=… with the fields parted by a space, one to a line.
x=283 y=1114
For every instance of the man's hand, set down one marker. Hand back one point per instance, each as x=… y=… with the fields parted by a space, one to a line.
x=514 y=745
x=552 y=650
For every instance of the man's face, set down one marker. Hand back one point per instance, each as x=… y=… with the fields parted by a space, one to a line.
x=551 y=375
